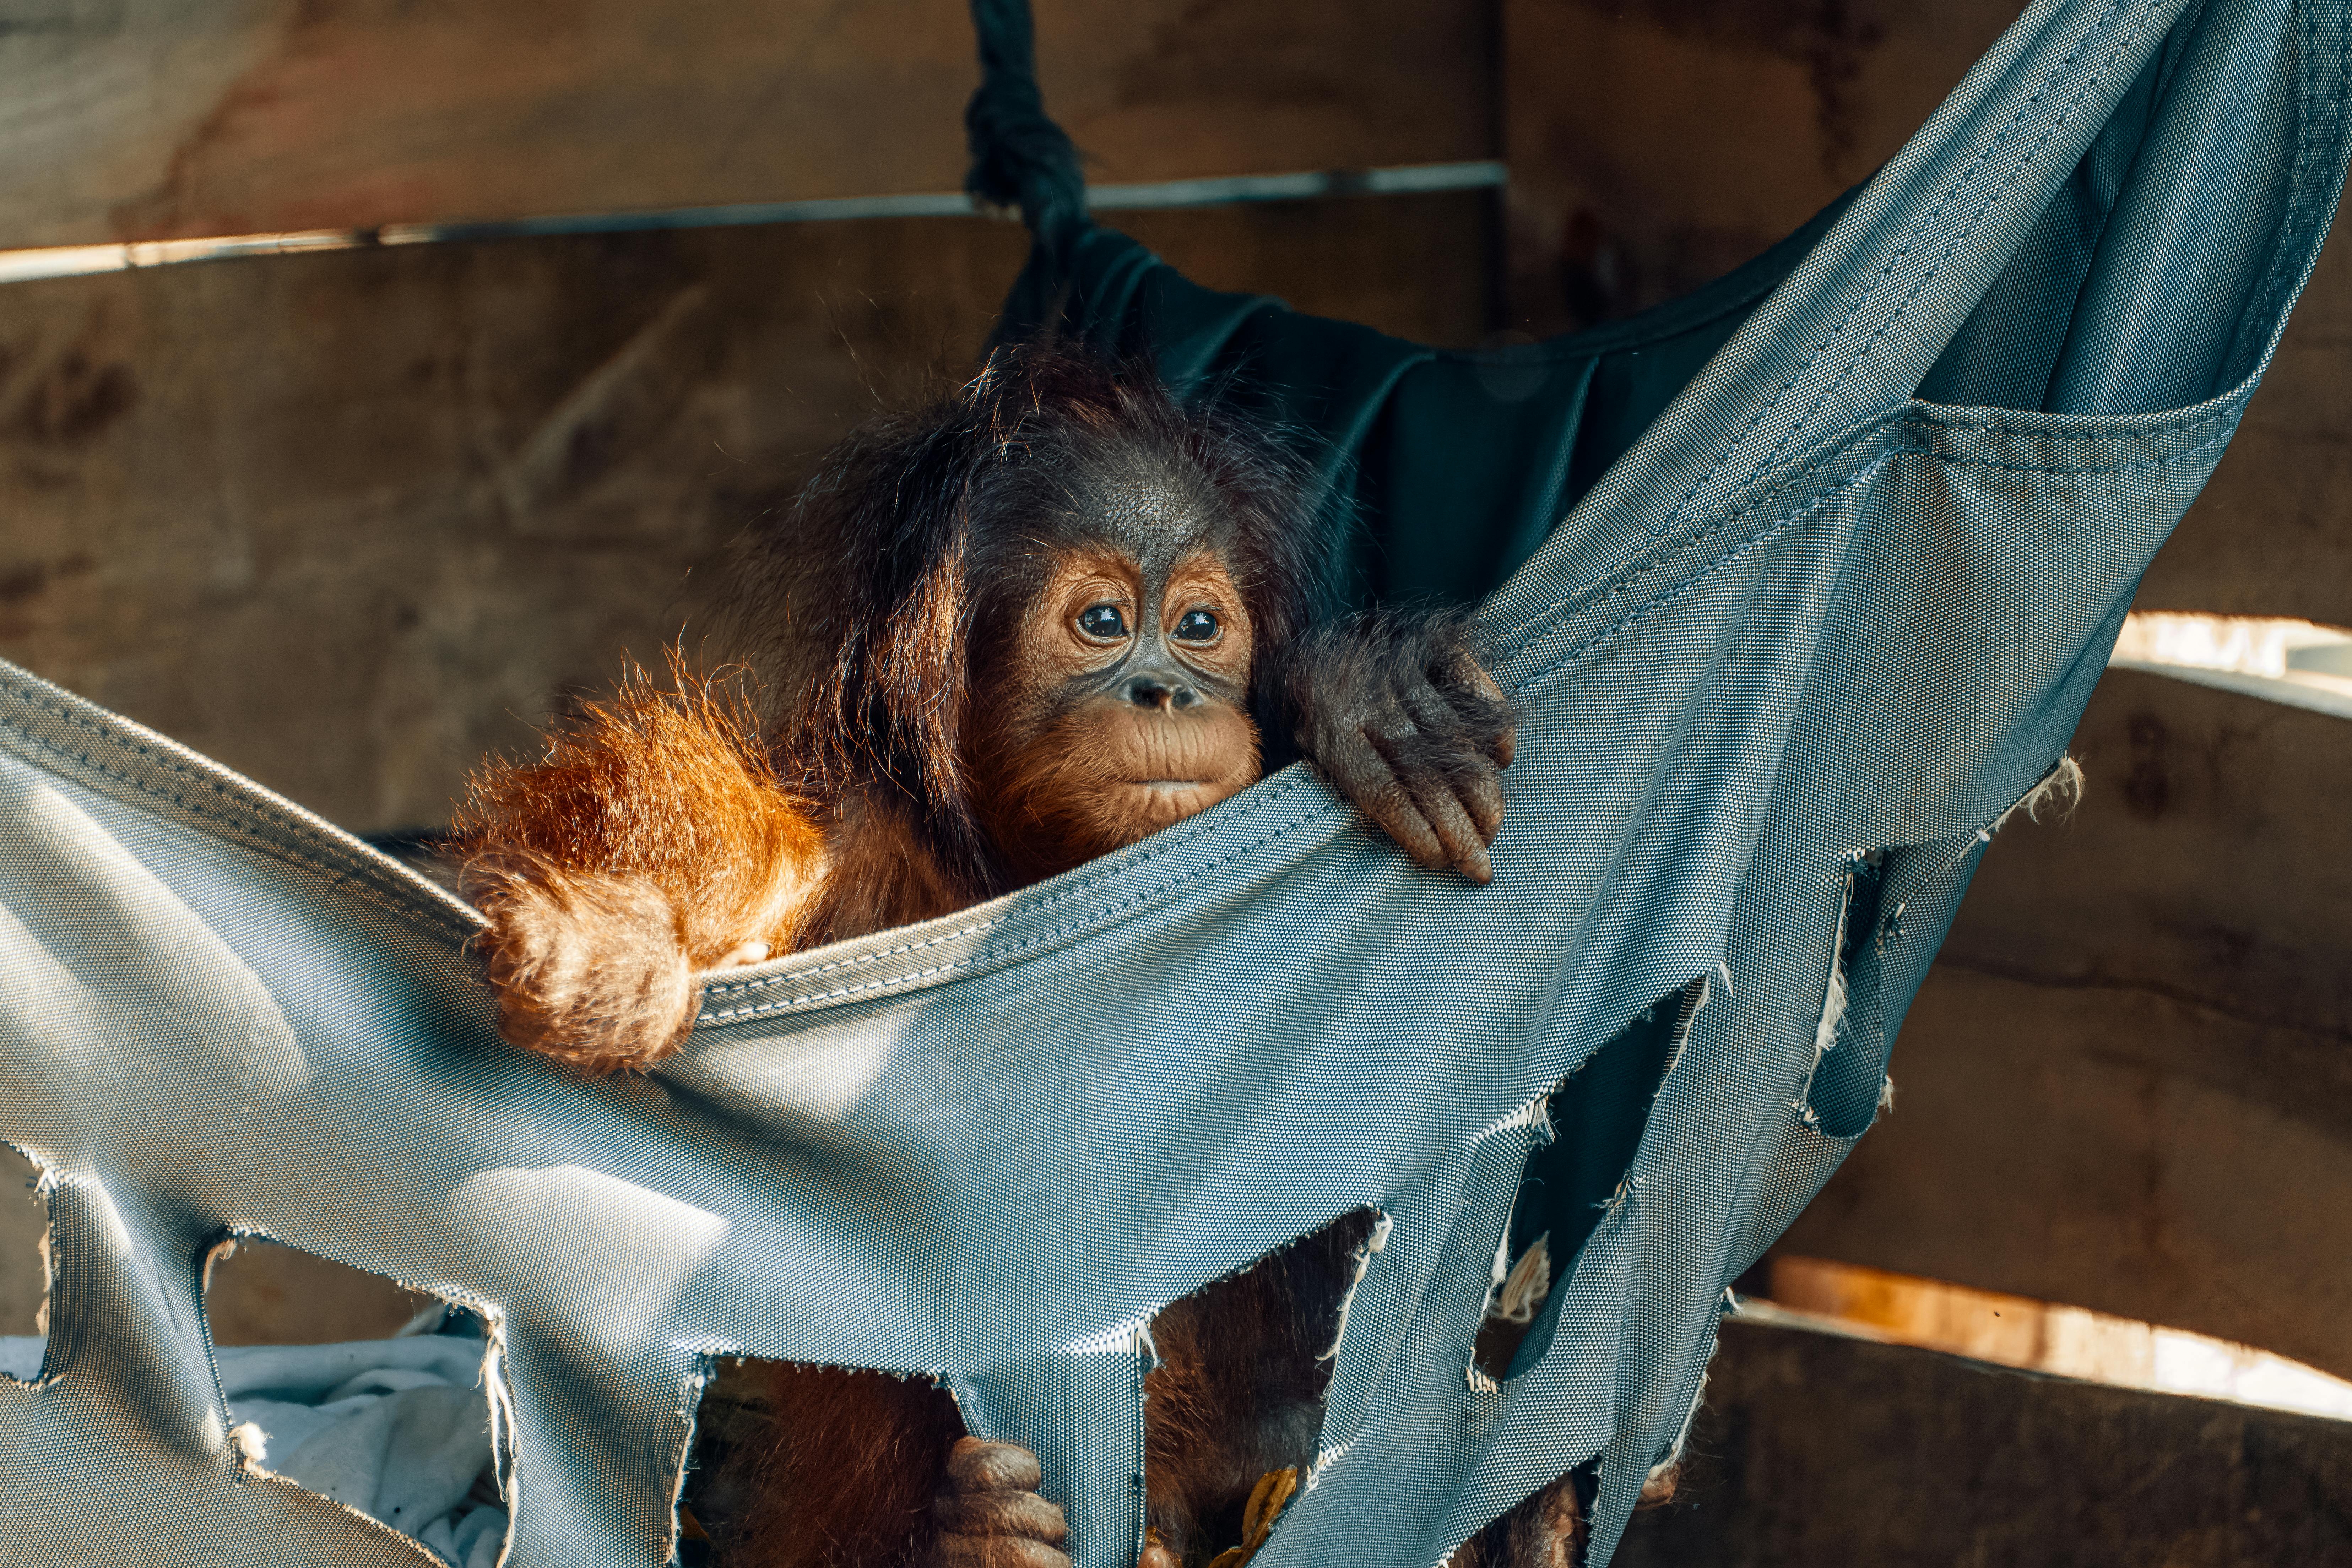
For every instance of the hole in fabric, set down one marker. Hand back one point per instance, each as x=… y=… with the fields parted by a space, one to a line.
x=787 y=1451
x=377 y=1397
x=734 y=1432
x=1234 y=1411
x=1848 y=1077
x=2036 y=1336
x=1235 y=1401
x=1598 y=1115
x=1512 y=1307
x=24 y=1266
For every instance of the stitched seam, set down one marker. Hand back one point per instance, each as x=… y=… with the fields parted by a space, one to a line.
x=1779 y=525
x=2312 y=194
x=1815 y=504
x=349 y=871
x=32 y=698
x=1098 y=918
x=2079 y=437
x=1959 y=462
x=1542 y=623
x=1651 y=553
x=1974 y=222
x=1174 y=841
x=1918 y=228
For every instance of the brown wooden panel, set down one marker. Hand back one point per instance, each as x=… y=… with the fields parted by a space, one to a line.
x=168 y=117
x=269 y=1294
x=23 y=1221
x=2209 y=864
x=346 y=522
x=1656 y=145
x=1653 y=147
x=1820 y=1450
x=2092 y=1147
x=2127 y=1084
x=2272 y=535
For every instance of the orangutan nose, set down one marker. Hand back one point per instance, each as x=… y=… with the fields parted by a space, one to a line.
x=1146 y=692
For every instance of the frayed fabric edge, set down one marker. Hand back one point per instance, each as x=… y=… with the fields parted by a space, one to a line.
x=2060 y=793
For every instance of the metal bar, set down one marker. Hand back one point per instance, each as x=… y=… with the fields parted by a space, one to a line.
x=2292 y=662
x=80 y=260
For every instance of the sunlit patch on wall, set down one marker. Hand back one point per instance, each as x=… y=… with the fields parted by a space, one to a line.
x=258 y=1293
x=2299 y=663
x=24 y=1267
x=379 y=1399
x=24 y=1252
x=2036 y=1336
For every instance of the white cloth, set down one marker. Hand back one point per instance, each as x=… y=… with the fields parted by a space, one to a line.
x=397 y=1429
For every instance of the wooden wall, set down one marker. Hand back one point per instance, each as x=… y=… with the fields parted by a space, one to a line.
x=1815 y=1450
x=348 y=520
x=1656 y=145
x=156 y=119
x=2126 y=1083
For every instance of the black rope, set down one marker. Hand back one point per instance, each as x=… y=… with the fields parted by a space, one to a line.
x=1019 y=156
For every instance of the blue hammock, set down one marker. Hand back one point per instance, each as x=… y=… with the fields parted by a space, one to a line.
x=1801 y=639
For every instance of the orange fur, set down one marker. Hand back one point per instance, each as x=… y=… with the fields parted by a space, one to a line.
x=882 y=874
x=653 y=840
x=1084 y=785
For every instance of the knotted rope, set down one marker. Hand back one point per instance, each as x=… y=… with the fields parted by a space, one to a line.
x=1019 y=156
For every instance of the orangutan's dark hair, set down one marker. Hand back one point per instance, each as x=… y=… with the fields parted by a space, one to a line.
x=915 y=521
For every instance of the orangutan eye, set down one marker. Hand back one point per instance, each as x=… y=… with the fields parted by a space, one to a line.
x=1102 y=621
x=1198 y=625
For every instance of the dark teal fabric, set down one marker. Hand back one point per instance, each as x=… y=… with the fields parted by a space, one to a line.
x=1447 y=468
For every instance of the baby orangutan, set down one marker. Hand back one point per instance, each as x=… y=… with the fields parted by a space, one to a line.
x=1036 y=623
x=1030 y=626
